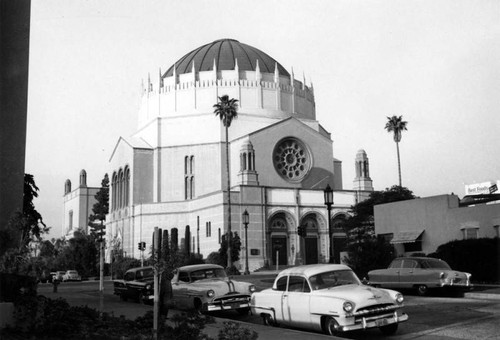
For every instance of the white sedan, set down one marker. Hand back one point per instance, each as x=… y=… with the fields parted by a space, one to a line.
x=328 y=298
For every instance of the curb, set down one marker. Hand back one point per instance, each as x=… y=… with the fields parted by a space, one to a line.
x=484 y=296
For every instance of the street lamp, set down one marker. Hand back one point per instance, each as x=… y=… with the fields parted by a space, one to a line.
x=329 y=202
x=246 y=219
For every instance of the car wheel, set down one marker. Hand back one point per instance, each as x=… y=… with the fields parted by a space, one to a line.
x=389 y=329
x=141 y=298
x=123 y=297
x=198 y=306
x=267 y=320
x=243 y=311
x=331 y=326
x=422 y=290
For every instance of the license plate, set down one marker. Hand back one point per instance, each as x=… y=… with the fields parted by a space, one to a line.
x=381 y=322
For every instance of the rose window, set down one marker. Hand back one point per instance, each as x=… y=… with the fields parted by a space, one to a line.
x=291 y=159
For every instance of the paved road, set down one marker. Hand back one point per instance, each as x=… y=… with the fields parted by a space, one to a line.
x=434 y=317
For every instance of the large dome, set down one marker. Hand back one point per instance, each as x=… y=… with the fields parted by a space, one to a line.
x=225 y=51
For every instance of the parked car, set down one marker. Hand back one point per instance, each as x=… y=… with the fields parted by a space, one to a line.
x=58 y=276
x=207 y=288
x=420 y=273
x=328 y=298
x=71 y=275
x=45 y=277
x=136 y=284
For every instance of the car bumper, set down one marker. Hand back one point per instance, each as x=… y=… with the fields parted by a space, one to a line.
x=457 y=286
x=367 y=322
x=225 y=306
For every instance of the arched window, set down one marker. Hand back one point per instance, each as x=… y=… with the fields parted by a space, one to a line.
x=120 y=190
x=127 y=186
x=114 y=189
x=83 y=178
x=67 y=187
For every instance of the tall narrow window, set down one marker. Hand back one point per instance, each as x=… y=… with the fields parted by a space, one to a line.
x=114 y=189
x=127 y=186
x=189 y=177
x=70 y=221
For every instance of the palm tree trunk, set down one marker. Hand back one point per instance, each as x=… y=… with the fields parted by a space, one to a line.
x=399 y=164
x=229 y=248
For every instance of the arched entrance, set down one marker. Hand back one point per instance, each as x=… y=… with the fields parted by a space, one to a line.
x=310 y=243
x=278 y=228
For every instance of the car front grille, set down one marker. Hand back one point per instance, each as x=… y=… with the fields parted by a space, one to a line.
x=232 y=299
x=376 y=310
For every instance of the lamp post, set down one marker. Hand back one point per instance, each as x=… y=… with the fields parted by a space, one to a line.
x=329 y=202
x=246 y=219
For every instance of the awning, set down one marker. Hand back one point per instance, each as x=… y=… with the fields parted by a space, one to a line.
x=406 y=236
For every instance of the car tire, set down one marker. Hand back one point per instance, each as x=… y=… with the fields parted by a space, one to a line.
x=243 y=311
x=123 y=297
x=140 y=299
x=389 y=329
x=331 y=326
x=198 y=306
x=267 y=320
x=422 y=290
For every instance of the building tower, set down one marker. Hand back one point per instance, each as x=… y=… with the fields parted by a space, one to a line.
x=362 y=181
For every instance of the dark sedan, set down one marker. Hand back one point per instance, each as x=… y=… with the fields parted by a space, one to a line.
x=135 y=284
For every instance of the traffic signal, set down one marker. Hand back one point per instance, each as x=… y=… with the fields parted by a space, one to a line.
x=141 y=246
x=302 y=231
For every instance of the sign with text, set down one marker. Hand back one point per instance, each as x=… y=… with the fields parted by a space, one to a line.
x=481 y=188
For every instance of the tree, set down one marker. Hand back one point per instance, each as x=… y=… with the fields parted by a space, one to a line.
x=227 y=110
x=80 y=254
x=28 y=224
x=396 y=125
x=101 y=207
x=365 y=250
x=234 y=249
x=30 y=221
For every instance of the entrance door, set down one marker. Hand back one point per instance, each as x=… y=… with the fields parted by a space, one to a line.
x=279 y=249
x=311 y=250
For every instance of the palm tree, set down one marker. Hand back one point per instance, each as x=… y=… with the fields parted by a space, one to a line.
x=227 y=110
x=396 y=125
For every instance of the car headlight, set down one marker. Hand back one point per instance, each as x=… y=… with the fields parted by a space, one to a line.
x=399 y=298
x=442 y=275
x=251 y=288
x=348 y=306
x=148 y=287
x=210 y=293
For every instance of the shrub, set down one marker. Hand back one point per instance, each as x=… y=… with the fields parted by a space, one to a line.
x=215 y=258
x=42 y=318
x=233 y=330
x=480 y=257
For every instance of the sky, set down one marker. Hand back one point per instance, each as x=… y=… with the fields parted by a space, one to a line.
x=435 y=62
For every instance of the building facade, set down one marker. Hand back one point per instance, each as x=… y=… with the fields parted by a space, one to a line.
x=77 y=206
x=421 y=225
x=172 y=172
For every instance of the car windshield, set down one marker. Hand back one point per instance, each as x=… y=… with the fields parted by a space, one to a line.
x=333 y=279
x=434 y=264
x=211 y=273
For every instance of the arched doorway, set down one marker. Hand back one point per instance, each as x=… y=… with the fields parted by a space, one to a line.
x=310 y=243
x=278 y=228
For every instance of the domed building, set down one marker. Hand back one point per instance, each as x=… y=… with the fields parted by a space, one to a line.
x=172 y=172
